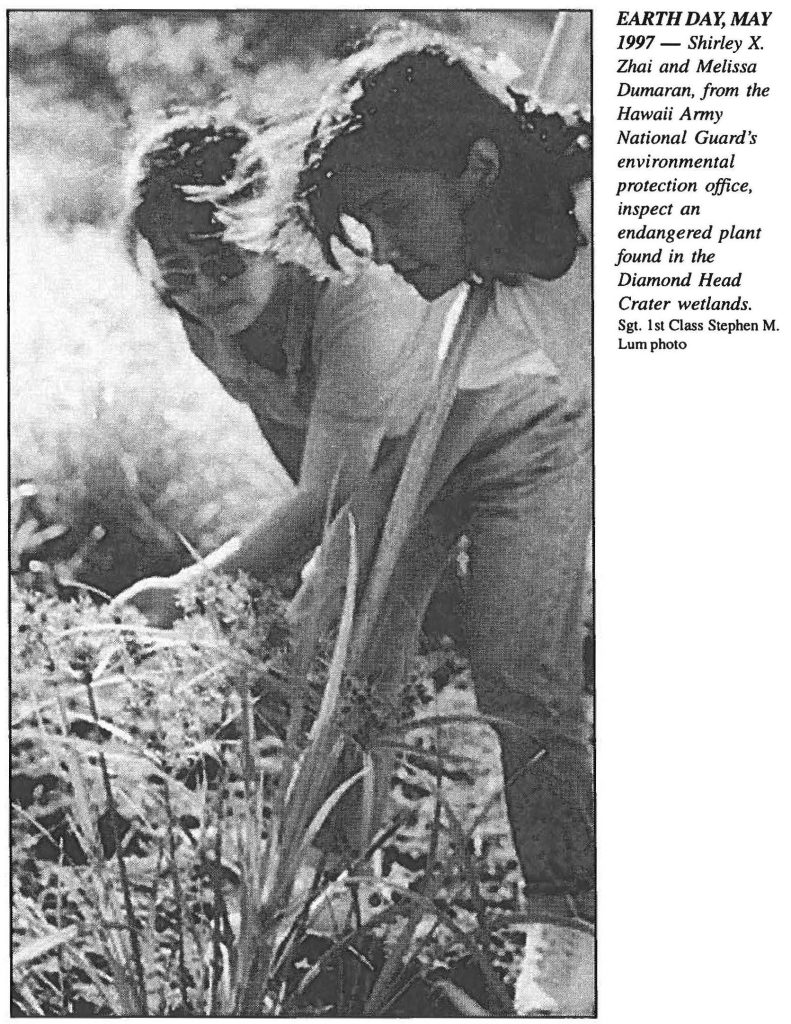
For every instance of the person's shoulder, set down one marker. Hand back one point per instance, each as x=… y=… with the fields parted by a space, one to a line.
x=373 y=287
x=199 y=337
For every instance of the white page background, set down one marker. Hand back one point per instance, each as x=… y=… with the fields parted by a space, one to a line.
x=692 y=516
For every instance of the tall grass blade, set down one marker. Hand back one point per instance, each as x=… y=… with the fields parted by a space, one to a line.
x=332 y=690
x=308 y=786
x=177 y=899
x=36 y=948
x=217 y=900
x=26 y=996
x=304 y=808
x=112 y=806
x=406 y=501
x=326 y=808
x=465 y=1004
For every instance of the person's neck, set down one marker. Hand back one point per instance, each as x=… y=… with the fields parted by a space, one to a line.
x=274 y=310
x=266 y=339
x=489 y=253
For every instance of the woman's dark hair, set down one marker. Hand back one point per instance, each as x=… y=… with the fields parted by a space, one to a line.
x=196 y=156
x=423 y=111
x=184 y=180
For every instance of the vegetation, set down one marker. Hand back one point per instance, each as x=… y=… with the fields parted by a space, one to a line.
x=173 y=843
x=150 y=769
x=162 y=863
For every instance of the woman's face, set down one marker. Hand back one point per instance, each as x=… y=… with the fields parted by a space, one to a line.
x=435 y=231
x=416 y=223
x=223 y=287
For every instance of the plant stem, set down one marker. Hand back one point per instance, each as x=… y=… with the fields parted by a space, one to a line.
x=404 y=510
x=405 y=503
x=127 y=893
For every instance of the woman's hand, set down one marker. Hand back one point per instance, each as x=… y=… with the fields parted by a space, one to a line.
x=156 y=597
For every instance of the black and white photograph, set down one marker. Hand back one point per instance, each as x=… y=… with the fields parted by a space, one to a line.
x=301 y=519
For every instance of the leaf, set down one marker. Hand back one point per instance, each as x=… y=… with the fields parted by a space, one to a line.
x=39 y=947
x=323 y=812
x=332 y=690
x=27 y=709
x=400 y=516
x=465 y=1004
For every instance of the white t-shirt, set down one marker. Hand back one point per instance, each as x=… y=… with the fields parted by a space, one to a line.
x=376 y=343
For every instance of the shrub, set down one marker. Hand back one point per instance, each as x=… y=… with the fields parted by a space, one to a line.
x=148 y=776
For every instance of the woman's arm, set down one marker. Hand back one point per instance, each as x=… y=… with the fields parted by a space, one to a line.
x=282 y=535
x=338 y=458
x=337 y=461
x=360 y=333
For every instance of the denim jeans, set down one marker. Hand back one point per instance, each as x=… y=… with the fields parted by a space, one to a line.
x=512 y=471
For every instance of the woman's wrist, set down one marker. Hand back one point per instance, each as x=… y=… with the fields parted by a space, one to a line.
x=190 y=575
x=215 y=561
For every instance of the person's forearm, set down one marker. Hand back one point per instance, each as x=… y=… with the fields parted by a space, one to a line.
x=288 y=532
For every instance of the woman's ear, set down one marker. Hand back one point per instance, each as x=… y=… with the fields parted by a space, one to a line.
x=482 y=170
